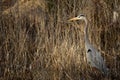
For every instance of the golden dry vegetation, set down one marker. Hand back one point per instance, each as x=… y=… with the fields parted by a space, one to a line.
x=38 y=43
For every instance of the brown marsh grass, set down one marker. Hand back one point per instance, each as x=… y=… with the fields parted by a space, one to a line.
x=37 y=42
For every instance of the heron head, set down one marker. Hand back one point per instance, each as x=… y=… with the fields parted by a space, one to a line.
x=79 y=17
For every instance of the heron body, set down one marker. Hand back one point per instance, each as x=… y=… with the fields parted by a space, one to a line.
x=93 y=56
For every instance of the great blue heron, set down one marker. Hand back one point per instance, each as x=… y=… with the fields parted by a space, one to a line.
x=93 y=56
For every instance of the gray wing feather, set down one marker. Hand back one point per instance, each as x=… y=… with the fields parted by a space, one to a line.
x=95 y=59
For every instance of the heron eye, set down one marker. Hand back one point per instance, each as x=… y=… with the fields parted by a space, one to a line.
x=81 y=15
x=89 y=50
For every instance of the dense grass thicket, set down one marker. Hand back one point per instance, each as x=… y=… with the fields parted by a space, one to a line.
x=38 y=43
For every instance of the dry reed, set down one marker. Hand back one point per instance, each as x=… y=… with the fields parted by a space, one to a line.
x=37 y=42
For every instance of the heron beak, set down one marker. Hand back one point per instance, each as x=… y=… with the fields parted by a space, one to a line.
x=73 y=19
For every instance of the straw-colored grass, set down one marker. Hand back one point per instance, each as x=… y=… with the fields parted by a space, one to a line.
x=38 y=43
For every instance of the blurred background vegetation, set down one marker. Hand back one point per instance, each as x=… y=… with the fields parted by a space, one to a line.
x=38 y=43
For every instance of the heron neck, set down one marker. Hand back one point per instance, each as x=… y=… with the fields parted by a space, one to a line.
x=86 y=32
